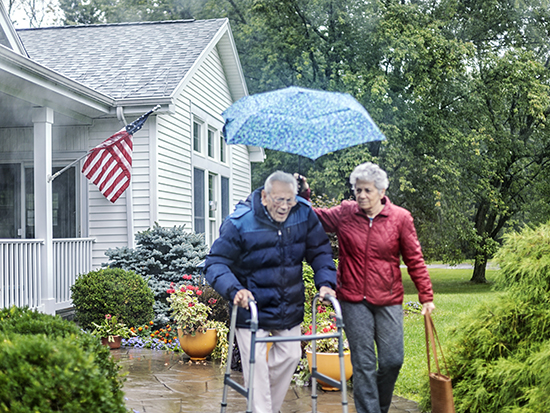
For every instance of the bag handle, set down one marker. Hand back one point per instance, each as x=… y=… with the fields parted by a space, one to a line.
x=430 y=334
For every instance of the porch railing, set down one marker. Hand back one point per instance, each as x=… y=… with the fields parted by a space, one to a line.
x=21 y=275
x=71 y=257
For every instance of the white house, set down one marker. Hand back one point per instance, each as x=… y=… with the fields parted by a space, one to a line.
x=63 y=90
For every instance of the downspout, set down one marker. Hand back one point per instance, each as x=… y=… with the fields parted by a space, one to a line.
x=128 y=192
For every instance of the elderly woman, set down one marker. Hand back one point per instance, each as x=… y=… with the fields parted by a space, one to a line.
x=373 y=234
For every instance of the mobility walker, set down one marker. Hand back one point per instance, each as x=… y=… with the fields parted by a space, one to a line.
x=247 y=391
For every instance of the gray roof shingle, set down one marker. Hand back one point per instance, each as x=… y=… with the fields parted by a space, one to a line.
x=126 y=60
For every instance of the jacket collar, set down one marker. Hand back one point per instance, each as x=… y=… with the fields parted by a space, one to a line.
x=385 y=211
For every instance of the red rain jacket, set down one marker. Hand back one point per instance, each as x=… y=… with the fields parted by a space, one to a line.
x=370 y=251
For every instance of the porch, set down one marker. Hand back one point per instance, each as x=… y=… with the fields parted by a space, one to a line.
x=25 y=282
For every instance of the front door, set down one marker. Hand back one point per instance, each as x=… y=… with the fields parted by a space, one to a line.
x=64 y=203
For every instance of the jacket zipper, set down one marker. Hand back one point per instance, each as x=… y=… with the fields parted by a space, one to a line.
x=366 y=261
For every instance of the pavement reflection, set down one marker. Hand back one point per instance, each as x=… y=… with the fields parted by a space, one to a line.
x=166 y=382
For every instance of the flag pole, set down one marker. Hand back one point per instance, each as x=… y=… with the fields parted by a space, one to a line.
x=52 y=177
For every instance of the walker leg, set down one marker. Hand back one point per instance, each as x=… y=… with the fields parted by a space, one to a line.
x=228 y=363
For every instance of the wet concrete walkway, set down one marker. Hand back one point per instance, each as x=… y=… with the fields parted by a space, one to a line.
x=166 y=382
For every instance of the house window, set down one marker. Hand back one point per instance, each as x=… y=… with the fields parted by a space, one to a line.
x=64 y=207
x=199 y=204
x=17 y=203
x=10 y=198
x=197 y=137
x=211 y=143
x=223 y=149
x=211 y=167
x=212 y=208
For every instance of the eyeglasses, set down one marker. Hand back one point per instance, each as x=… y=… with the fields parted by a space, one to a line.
x=279 y=201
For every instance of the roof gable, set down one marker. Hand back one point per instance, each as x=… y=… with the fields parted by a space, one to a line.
x=8 y=35
x=125 y=60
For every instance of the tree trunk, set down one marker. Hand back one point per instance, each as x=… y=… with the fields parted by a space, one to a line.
x=478 y=276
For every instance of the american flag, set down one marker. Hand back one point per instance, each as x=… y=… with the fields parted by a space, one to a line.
x=109 y=165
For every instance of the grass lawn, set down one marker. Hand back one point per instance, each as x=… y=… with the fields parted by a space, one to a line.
x=454 y=297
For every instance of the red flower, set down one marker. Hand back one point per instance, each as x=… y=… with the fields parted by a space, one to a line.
x=212 y=301
x=326 y=330
x=191 y=304
x=171 y=291
x=199 y=292
x=190 y=287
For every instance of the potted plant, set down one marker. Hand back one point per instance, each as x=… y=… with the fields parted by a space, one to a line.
x=111 y=331
x=327 y=357
x=197 y=334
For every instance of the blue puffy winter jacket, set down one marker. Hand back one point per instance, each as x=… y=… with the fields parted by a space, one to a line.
x=265 y=257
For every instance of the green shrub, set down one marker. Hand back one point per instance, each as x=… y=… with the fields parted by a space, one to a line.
x=48 y=364
x=162 y=256
x=500 y=358
x=112 y=291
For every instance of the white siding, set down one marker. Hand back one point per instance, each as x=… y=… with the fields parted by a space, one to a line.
x=107 y=221
x=209 y=92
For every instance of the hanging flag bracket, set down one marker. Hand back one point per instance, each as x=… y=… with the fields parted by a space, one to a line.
x=130 y=128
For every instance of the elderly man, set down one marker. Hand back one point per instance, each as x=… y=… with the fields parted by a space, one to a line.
x=259 y=256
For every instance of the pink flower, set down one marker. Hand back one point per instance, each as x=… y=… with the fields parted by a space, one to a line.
x=172 y=285
x=182 y=288
x=199 y=292
x=170 y=291
x=190 y=287
x=191 y=304
x=212 y=301
x=108 y=316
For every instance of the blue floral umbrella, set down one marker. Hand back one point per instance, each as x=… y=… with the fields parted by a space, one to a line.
x=303 y=121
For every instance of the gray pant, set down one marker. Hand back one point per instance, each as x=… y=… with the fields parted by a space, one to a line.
x=365 y=325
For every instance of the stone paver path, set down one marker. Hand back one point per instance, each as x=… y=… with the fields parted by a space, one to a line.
x=167 y=382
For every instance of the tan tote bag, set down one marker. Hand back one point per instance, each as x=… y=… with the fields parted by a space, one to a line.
x=441 y=389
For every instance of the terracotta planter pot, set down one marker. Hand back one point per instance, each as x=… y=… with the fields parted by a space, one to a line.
x=200 y=345
x=329 y=365
x=112 y=344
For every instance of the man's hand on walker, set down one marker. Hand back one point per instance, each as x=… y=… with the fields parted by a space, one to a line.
x=241 y=298
x=324 y=291
x=427 y=308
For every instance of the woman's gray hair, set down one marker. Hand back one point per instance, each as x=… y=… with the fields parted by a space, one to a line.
x=371 y=173
x=283 y=177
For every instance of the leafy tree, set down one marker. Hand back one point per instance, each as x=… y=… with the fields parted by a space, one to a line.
x=36 y=13
x=112 y=11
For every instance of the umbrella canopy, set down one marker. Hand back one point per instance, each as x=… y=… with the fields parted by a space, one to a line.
x=302 y=121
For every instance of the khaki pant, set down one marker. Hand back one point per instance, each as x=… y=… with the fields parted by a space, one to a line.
x=271 y=378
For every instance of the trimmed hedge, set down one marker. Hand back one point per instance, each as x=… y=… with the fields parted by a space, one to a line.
x=48 y=364
x=112 y=291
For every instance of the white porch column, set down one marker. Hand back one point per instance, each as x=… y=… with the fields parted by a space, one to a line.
x=42 y=118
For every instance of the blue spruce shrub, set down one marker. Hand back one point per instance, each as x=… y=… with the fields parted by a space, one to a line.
x=162 y=256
